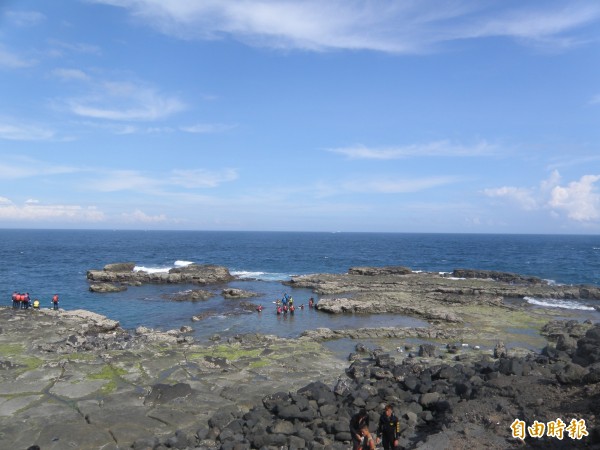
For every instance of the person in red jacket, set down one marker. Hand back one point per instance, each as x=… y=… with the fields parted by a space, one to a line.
x=55 y=301
x=26 y=301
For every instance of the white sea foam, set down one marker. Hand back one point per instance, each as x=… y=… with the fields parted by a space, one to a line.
x=180 y=263
x=264 y=276
x=151 y=269
x=558 y=303
x=246 y=274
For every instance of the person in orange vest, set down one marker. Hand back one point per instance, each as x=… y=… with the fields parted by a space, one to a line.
x=55 y=301
x=26 y=301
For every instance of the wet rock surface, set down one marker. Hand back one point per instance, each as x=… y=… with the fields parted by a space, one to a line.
x=232 y=293
x=193 y=295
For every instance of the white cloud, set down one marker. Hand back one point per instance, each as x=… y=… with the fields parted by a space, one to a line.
x=125 y=101
x=397 y=27
x=437 y=148
x=139 y=216
x=523 y=197
x=579 y=199
x=13 y=131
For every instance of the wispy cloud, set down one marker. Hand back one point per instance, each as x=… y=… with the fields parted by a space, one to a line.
x=396 y=27
x=438 y=148
x=12 y=168
x=24 y=18
x=60 y=47
x=205 y=128
x=125 y=101
x=11 y=60
x=123 y=180
x=70 y=74
x=397 y=186
x=201 y=178
x=35 y=211
x=159 y=184
x=16 y=131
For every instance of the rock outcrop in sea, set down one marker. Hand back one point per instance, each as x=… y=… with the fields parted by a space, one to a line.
x=124 y=274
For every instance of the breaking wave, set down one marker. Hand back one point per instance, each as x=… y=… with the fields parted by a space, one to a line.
x=178 y=263
x=263 y=276
x=558 y=303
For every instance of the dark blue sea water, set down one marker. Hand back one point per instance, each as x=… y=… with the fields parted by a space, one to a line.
x=43 y=262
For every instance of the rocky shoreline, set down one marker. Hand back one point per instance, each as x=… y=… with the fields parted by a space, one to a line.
x=75 y=379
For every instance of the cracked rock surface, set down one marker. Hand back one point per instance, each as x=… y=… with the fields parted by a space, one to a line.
x=75 y=379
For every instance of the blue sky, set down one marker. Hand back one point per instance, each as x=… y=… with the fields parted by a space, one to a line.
x=402 y=116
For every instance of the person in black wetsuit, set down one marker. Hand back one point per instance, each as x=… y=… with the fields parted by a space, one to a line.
x=388 y=429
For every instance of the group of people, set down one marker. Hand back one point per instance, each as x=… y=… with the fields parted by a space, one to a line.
x=388 y=430
x=23 y=301
x=286 y=304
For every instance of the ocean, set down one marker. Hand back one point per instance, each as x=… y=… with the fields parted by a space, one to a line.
x=44 y=262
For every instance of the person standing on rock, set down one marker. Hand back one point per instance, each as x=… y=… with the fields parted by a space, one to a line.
x=55 y=301
x=388 y=429
x=357 y=422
